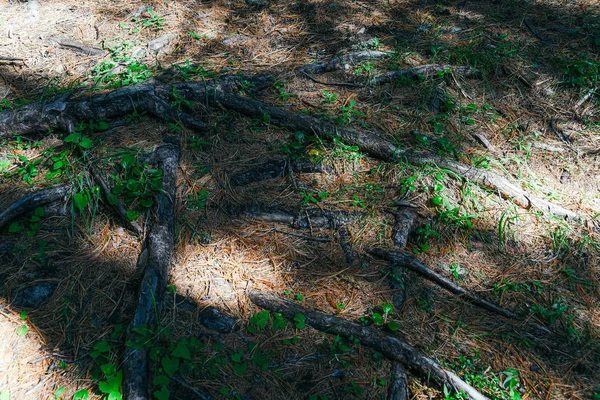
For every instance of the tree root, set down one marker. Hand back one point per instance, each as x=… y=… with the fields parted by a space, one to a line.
x=392 y=347
x=424 y=70
x=376 y=146
x=275 y=169
x=404 y=260
x=31 y=201
x=339 y=62
x=398 y=389
x=160 y=246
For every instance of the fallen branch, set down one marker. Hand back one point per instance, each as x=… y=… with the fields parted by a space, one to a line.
x=31 y=201
x=159 y=245
x=392 y=347
x=404 y=260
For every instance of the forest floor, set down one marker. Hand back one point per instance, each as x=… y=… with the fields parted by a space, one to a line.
x=528 y=110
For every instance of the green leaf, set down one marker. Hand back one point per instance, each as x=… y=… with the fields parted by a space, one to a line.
x=22 y=330
x=393 y=326
x=81 y=395
x=237 y=357
x=102 y=346
x=59 y=392
x=437 y=200
x=300 y=320
x=80 y=200
x=377 y=318
x=162 y=394
x=102 y=125
x=86 y=143
x=132 y=215
x=4 y=395
x=15 y=227
x=73 y=138
x=39 y=212
x=147 y=202
x=182 y=350
x=23 y=315
x=240 y=369
x=4 y=164
x=160 y=380
x=170 y=365
x=387 y=308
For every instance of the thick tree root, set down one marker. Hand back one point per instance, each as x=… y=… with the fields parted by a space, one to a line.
x=398 y=389
x=404 y=260
x=421 y=70
x=276 y=169
x=338 y=63
x=376 y=146
x=392 y=347
x=160 y=246
x=31 y=201
x=306 y=218
x=404 y=220
x=63 y=112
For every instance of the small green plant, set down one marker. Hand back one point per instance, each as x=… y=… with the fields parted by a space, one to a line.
x=329 y=98
x=197 y=201
x=365 y=68
x=313 y=198
x=300 y=321
x=153 y=21
x=424 y=233
x=135 y=184
x=345 y=152
x=33 y=225
x=457 y=271
x=283 y=95
x=348 y=113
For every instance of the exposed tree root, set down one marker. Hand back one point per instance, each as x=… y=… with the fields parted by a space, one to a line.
x=340 y=62
x=424 y=70
x=413 y=264
x=275 y=169
x=392 y=347
x=305 y=218
x=31 y=201
x=159 y=245
x=149 y=97
x=404 y=219
x=398 y=389
x=374 y=145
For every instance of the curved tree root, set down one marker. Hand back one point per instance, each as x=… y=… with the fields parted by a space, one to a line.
x=376 y=146
x=339 y=62
x=414 y=265
x=160 y=245
x=31 y=201
x=392 y=347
